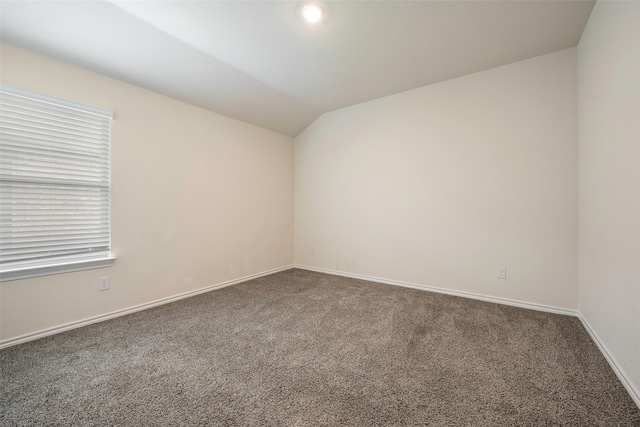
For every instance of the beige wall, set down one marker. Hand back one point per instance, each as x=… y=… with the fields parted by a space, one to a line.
x=438 y=186
x=609 y=135
x=197 y=199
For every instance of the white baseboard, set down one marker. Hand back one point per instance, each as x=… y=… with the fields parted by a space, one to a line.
x=498 y=300
x=633 y=392
x=100 y=318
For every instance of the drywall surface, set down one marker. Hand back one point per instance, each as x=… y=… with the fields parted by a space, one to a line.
x=609 y=201
x=440 y=185
x=197 y=199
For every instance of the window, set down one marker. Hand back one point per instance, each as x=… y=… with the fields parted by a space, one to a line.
x=54 y=185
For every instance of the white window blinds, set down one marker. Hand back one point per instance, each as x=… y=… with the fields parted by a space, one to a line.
x=54 y=183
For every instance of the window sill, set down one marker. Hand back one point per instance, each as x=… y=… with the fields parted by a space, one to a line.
x=67 y=266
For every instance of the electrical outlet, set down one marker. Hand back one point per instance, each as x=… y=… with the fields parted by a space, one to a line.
x=313 y=251
x=103 y=283
x=501 y=273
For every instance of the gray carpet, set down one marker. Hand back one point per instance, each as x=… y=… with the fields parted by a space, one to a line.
x=299 y=348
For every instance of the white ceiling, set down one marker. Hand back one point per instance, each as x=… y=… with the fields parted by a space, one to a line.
x=257 y=61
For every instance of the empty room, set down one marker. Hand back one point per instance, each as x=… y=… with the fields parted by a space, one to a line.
x=352 y=213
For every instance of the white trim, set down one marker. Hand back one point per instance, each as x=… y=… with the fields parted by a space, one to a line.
x=471 y=295
x=66 y=266
x=100 y=318
x=633 y=392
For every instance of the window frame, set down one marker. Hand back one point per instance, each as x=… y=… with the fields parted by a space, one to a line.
x=14 y=270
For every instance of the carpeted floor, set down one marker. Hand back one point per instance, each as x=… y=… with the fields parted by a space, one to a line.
x=299 y=348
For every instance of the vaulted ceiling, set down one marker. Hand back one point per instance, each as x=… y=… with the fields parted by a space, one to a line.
x=259 y=62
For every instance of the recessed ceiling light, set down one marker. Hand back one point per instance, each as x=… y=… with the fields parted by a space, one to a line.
x=312 y=13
